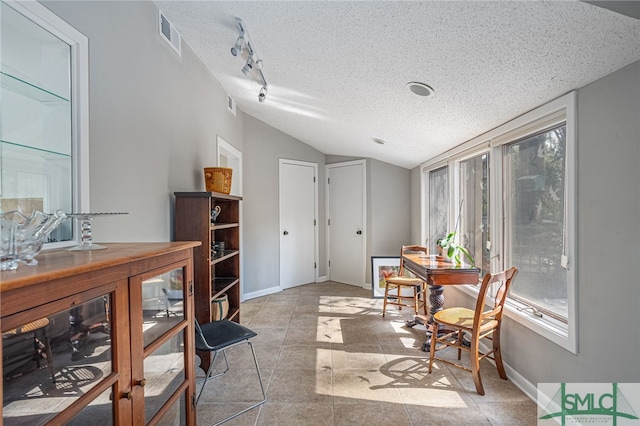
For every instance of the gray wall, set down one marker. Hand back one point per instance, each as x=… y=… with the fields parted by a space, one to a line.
x=388 y=207
x=608 y=155
x=416 y=206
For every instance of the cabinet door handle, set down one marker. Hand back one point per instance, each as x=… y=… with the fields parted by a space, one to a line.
x=128 y=395
x=141 y=382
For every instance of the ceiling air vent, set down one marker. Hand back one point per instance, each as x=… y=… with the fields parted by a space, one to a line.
x=169 y=33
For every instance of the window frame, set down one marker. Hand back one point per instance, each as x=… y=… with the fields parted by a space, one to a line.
x=425 y=196
x=471 y=153
x=562 y=109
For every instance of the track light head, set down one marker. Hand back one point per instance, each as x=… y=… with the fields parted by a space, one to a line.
x=263 y=94
x=248 y=66
x=237 y=49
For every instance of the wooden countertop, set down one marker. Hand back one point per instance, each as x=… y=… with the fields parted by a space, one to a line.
x=61 y=263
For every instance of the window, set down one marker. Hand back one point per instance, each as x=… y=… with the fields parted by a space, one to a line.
x=534 y=185
x=535 y=175
x=517 y=210
x=438 y=205
x=473 y=194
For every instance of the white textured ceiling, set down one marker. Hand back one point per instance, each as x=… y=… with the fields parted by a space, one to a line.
x=337 y=71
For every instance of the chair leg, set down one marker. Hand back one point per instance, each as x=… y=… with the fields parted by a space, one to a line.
x=424 y=298
x=49 y=354
x=255 y=361
x=386 y=296
x=264 y=395
x=475 y=364
x=416 y=309
x=497 y=354
x=432 y=349
x=208 y=377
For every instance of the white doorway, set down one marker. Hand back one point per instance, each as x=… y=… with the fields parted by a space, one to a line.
x=298 y=225
x=346 y=222
x=230 y=157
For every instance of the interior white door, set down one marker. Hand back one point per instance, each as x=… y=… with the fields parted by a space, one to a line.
x=297 y=223
x=346 y=220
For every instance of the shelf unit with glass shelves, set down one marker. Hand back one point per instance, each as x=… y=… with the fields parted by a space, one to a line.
x=44 y=132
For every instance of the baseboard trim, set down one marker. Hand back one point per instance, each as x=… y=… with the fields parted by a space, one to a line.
x=521 y=383
x=260 y=293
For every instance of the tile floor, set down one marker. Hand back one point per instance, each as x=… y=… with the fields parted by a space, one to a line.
x=327 y=357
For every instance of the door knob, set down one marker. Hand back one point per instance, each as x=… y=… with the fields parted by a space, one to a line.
x=359 y=232
x=285 y=233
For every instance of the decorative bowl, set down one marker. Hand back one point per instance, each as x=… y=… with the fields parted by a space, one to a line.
x=22 y=237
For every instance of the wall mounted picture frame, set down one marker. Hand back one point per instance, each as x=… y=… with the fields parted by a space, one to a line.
x=382 y=267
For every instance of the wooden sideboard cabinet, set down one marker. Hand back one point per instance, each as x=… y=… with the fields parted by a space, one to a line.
x=100 y=337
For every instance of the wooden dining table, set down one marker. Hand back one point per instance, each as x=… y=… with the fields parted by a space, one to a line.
x=437 y=274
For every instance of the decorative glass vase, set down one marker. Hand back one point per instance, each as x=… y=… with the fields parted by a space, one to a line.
x=22 y=237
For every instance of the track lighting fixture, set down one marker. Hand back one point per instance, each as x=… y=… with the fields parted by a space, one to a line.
x=248 y=66
x=263 y=94
x=237 y=49
x=244 y=43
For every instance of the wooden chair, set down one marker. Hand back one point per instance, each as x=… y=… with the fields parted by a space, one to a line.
x=419 y=288
x=478 y=323
x=39 y=346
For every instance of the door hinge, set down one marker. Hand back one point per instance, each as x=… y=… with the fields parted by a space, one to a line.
x=315 y=265
x=193 y=400
x=314 y=222
x=314 y=179
x=329 y=222
x=328 y=181
x=190 y=288
x=329 y=264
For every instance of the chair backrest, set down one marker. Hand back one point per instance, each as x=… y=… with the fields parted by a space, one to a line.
x=408 y=250
x=201 y=342
x=505 y=278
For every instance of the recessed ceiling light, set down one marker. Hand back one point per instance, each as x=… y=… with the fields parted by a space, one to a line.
x=420 y=89
x=378 y=141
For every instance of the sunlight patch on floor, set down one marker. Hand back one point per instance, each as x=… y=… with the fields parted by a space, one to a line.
x=403 y=380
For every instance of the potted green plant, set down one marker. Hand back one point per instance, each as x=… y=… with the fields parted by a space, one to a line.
x=453 y=250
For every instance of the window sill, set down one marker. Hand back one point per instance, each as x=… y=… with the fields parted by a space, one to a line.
x=555 y=331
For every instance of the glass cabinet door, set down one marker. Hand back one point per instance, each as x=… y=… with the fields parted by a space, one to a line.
x=162 y=373
x=38 y=119
x=54 y=361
